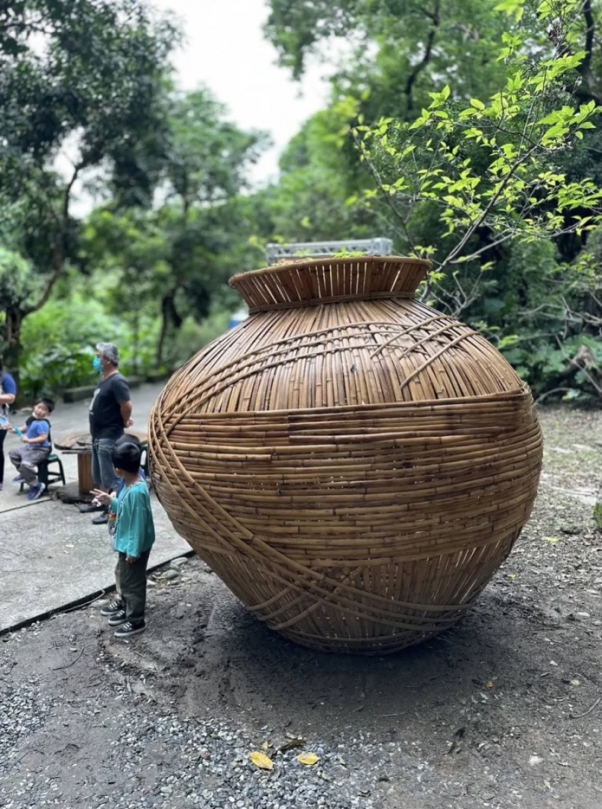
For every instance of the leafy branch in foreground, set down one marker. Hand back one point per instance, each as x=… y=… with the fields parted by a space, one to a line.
x=493 y=171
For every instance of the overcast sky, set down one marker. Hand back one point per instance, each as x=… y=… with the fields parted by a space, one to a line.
x=226 y=51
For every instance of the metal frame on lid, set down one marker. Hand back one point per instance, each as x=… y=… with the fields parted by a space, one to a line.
x=378 y=246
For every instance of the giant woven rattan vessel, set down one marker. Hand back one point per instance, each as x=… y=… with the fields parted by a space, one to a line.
x=353 y=464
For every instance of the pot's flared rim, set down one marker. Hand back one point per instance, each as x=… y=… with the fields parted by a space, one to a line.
x=330 y=279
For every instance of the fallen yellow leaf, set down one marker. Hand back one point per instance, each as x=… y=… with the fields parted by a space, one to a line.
x=552 y=540
x=309 y=759
x=265 y=746
x=261 y=760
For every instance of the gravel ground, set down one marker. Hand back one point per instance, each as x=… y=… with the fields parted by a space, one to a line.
x=504 y=711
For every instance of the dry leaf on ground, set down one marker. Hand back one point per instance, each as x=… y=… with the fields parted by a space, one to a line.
x=309 y=759
x=261 y=760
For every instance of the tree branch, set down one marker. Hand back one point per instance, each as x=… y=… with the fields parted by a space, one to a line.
x=377 y=178
x=485 y=212
x=58 y=257
x=587 y=92
x=590 y=31
x=435 y=18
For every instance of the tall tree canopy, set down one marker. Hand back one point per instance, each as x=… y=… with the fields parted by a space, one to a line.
x=177 y=254
x=399 y=48
x=86 y=77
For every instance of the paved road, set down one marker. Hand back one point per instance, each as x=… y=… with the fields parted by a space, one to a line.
x=52 y=555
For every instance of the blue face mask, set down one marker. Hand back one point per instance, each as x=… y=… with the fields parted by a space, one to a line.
x=97 y=364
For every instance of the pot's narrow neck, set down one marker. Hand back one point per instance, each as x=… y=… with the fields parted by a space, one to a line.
x=330 y=280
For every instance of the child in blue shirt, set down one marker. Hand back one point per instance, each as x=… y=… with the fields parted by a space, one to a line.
x=116 y=604
x=35 y=435
x=133 y=539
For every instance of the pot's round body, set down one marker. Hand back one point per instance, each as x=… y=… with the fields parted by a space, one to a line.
x=353 y=464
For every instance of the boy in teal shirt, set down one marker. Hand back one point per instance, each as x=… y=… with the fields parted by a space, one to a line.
x=133 y=539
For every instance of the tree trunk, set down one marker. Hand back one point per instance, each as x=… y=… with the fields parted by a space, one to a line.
x=164 y=328
x=169 y=316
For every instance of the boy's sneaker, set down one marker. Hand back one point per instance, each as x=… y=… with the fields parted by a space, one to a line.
x=112 y=607
x=19 y=479
x=88 y=507
x=36 y=491
x=129 y=629
x=117 y=618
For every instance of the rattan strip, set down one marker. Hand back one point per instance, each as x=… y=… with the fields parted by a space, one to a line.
x=246 y=566
x=265 y=360
x=355 y=612
x=489 y=408
x=249 y=549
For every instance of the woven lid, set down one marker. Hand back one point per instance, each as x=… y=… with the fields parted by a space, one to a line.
x=330 y=280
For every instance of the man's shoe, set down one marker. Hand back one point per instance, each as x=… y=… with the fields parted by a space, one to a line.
x=36 y=491
x=19 y=479
x=89 y=508
x=102 y=519
x=117 y=618
x=129 y=629
x=112 y=607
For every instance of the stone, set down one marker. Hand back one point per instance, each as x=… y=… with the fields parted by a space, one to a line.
x=170 y=573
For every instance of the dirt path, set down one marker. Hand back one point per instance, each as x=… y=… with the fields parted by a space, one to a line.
x=504 y=711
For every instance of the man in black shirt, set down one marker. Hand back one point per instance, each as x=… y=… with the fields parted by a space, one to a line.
x=110 y=414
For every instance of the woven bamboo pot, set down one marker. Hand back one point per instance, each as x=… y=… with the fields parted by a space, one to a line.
x=353 y=464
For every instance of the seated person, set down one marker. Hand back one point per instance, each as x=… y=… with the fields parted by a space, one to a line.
x=35 y=435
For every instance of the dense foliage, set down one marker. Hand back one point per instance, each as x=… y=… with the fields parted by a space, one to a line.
x=89 y=108
x=473 y=138
x=467 y=131
x=79 y=77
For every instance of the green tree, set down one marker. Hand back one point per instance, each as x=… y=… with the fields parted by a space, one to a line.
x=204 y=173
x=171 y=260
x=395 y=52
x=492 y=167
x=17 y=286
x=403 y=51
x=400 y=48
x=95 y=90
x=128 y=252
x=479 y=124
x=317 y=178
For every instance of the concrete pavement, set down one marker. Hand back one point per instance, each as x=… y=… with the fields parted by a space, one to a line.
x=51 y=554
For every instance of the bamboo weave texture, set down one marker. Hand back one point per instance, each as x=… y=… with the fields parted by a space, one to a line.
x=353 y=464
